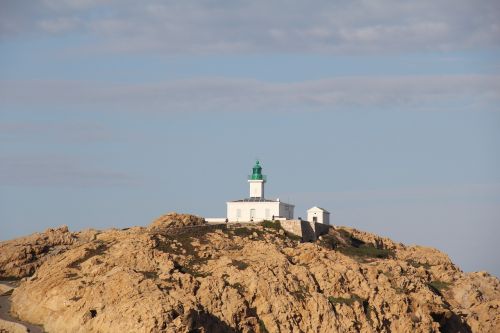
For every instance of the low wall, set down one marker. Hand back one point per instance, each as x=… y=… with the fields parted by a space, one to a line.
x=292 y=226
x=309 y=231
x=215 y=219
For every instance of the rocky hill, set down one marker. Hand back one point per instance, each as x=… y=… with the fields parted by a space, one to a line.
x=180 y=275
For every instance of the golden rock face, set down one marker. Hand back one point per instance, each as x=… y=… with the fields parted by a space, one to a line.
x=248 y=279
x=175 y=220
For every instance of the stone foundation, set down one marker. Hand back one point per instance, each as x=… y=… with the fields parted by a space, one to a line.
x=309 y=231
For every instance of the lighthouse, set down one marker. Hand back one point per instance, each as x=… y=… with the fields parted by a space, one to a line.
x=256 y=207
x=257 y=181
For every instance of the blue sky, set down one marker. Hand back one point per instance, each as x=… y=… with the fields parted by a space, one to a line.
x=384 y=112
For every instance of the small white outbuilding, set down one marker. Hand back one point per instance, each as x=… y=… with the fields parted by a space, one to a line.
x=319 y=215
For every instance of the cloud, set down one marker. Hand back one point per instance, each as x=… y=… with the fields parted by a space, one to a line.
x=73 y=4
x=57 y=171
x=59 y=25
x=219 y=26
x=25 y=131
x=461 y=92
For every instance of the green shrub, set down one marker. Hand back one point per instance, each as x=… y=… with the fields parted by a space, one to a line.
x=438 y=286
x=292 y=236
x=243 y=231
x=329 y=241
x=348 y=301
x=417 y=264
x=241 y=265
x=366 y=251
x=276 y=225
x=349 y=238
x=149 y=275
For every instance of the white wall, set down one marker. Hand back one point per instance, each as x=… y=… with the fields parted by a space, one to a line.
x=215 y=219
x=240 y=211
x=321 y=215
x=256 y=188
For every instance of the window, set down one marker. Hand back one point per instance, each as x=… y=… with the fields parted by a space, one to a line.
x=238 y=213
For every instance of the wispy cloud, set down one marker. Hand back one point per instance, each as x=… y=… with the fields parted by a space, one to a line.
x=469 y=92
x=57 y=171
x=263 y=26
x=59 y=25
x=53 y=132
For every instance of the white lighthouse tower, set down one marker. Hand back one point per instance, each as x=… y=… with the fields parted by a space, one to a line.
x=257 y=181
x=257 y=208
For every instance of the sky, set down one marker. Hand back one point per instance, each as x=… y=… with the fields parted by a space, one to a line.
x=386 y=113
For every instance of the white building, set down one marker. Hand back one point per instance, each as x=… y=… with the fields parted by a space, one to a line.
x=256 y=208
x=318 y=214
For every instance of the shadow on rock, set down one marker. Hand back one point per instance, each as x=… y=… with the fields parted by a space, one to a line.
x=202 y=321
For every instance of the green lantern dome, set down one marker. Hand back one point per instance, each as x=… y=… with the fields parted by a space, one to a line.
x=257 y=171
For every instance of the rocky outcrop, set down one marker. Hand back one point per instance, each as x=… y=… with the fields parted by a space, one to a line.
x=20 y=257
x=5 y=289
x=477 y=296
x=254 y=279
x=175 y=220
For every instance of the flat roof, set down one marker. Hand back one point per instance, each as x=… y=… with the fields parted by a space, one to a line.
x=259 y=200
